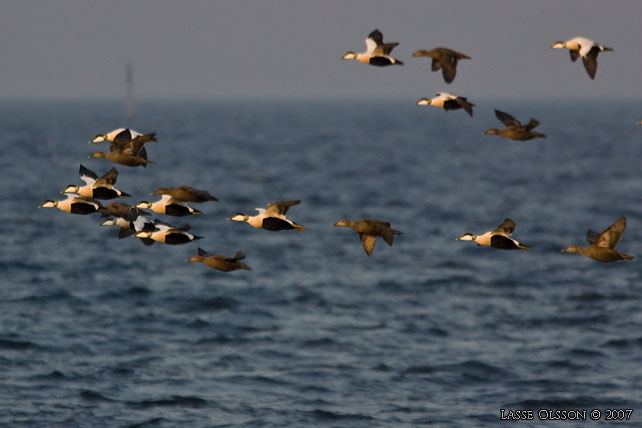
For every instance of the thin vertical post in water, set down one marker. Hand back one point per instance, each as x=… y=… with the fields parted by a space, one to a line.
x=130 y=93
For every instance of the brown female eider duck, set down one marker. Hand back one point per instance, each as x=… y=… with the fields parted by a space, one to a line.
x=168 y=234
x=448 y=102
x=585 y=48
x=272 y=219
x=377 y=52
x=515 y=130
x=126 y=159
x=74 y=204
x=97 y=187
x=498 y=238
x=443 y=58
x=602 y=245
x=369 y=229
x=219 y=261
x=186 y=194
x=169 y=206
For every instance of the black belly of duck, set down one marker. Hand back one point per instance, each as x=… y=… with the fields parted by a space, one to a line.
x=177 y=239
x=177 y=210
x=502 y=243
x=379 y=61
x=104 y=193
x=82 y=208
x=275 y=224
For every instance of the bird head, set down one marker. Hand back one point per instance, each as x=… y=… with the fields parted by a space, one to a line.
x=467 y=237
x=424 y=102
x=349 y=55
x=239 y=217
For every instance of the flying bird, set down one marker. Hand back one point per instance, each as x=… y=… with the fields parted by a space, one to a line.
x=369 y=229
x=377 y=52
x=585 y=48
x=273 y=218
x=448 y=102
x=219 y=261
x=515 y=130
x=97 y=187
x=498 y=238
x=602 y=245
x=444 y=59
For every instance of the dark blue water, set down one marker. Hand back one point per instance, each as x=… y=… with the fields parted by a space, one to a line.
x=98 y=331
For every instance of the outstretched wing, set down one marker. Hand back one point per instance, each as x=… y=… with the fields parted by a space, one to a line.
x=592 y=237
x=611 y=236
x=87 y=175
x=590 y=61
x=109 y=178
x=508 y=120
x=506 y=228
x=384 y=49
x=281 y=208
x=368 y=242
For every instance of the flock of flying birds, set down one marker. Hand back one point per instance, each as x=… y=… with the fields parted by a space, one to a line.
x=601 y=245
x=127 y=147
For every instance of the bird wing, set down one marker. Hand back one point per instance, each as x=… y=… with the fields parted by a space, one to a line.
x=376 y=37
x=87 y=175
x=590 y=61
x=384 y=49
x=109 y=178
x=575 y=54
x=508 y=120
x=592 y=237
x=506 y=228
x=532 y=124
x=368 y=242
x=435 y=65
x=280 y=208
x=463 y=102
x=448 y=68
x=611 y=236
x=120 y=141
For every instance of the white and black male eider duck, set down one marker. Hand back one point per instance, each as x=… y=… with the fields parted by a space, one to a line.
x=369 y=229
x=377 y=52
x=169 y=206
x=97 y=187
x=120 y=138
x=186 y=194
x=443 y=58
x=125 y=150
x=498 y=238
x=515 y=130
x=168 y=234
x=131 y=228
x=273 y=218
x=219 y=261
x=74 y=204
x=448 y=102
x=602 y=245
x=585 y=48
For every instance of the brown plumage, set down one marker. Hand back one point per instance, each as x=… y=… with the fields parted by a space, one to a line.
x=369 y=229
x=186 y=194
x=122 y=158
x=444 y=59
x=602 y=245
x=219 y=261
x=515 y=130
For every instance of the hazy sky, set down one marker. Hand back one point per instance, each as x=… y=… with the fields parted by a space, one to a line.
x=292 y=49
